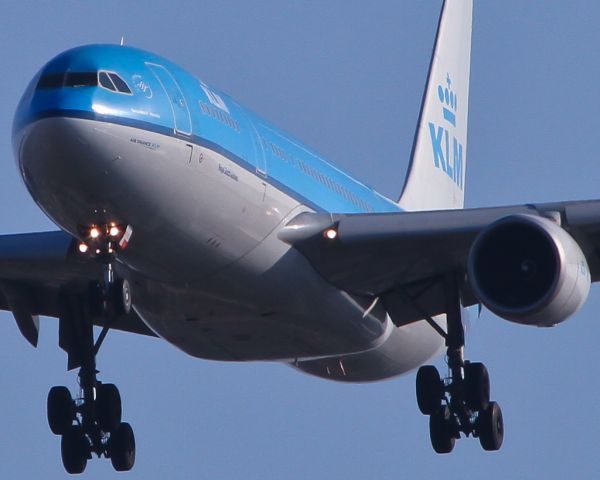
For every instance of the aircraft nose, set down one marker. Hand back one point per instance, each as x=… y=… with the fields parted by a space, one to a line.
x=62 y=169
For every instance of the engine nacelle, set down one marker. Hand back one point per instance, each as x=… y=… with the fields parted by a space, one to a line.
x=528 y=270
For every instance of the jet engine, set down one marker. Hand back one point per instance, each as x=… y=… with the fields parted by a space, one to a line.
x=528 y=270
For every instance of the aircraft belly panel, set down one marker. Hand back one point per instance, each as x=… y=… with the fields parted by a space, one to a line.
x=269 y=305
x=403 y=350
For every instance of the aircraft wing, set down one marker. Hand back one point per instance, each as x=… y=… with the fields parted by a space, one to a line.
x=403 y=257
x=35 y=268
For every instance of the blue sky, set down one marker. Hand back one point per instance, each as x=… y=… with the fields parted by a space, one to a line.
x=346 y=78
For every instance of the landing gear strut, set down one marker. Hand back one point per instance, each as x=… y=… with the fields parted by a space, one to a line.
x=460 y=403
x=91 y=422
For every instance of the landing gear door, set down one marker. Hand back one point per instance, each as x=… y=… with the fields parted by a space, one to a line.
x=181 y=113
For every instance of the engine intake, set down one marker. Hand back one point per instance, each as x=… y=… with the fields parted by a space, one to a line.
x=528 y=270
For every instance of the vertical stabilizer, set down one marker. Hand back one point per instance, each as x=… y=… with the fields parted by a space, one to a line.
x=436 y=174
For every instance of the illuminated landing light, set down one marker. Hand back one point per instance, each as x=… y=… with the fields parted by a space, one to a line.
x=114 y=231
x=94 y=232
x=331 y=234
x=83 y=248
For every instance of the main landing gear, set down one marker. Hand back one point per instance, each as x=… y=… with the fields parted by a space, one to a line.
x=460 y=403
x=91 y=422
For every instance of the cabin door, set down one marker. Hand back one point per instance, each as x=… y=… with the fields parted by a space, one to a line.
x=181 y=113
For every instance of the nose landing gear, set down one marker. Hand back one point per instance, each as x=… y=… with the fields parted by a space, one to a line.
x=91 y=427
x=91 y=422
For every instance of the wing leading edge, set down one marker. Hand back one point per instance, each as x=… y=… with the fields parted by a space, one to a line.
x=404 y=257
x=35 y=271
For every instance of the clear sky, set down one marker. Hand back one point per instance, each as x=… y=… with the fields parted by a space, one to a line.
x=346 y=78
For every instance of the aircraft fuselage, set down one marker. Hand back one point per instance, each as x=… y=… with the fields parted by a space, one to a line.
x=205 y=187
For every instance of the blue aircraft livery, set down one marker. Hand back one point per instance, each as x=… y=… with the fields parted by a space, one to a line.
x=186 y=217
x=140 y=89
x=443 y=139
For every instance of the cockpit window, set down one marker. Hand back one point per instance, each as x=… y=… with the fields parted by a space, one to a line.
x=109 y=80
x=113 y=82
x=106 y=82
x=68 y=79
x=119 y=83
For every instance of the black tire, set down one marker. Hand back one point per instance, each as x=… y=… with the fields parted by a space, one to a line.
x=75 y=450
x=121 y=297
x=126 y=298
x=441 y=431
x=108 y=407
x=490 y=427
x=429 y=390
x=61 y=410
x=477 y=386
x=121 y=448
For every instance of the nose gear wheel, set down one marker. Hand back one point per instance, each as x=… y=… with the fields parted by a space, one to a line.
x=91 y=422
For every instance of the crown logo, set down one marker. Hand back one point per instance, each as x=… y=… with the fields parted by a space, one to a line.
x=449 y=101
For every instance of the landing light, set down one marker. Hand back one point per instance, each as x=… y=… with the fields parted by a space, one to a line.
x=114 y=231
x=83 y=248
x=94 y=232
x=331 y=233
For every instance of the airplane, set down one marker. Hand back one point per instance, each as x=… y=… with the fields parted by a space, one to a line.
x=186 y=217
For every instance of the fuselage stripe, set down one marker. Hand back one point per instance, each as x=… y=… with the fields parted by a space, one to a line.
x=193 y=139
